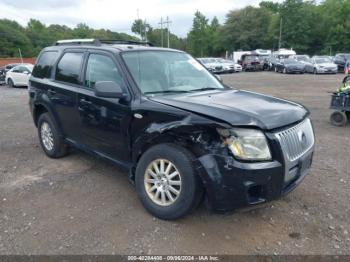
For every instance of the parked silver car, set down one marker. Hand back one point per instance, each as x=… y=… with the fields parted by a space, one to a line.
x=321 y=65
x=212 y=65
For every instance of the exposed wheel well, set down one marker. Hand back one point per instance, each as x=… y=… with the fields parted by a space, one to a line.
x=167 y=139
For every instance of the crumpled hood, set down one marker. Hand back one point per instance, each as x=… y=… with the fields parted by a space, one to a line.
x=239 y=108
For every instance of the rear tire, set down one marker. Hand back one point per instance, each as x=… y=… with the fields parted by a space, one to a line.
x=50 y=138
x=339 y=118
x=187 y=183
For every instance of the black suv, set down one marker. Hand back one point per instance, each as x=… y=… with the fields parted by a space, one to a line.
x=182 y=135
x=340 y=60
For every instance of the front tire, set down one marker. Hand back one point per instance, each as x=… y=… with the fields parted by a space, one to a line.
x=166 y=182
x=50 y=138
x=10 y=83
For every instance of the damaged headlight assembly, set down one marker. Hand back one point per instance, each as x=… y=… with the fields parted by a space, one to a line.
x=246 y=144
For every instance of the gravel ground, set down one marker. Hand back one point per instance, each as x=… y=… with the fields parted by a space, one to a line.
x=83 y=205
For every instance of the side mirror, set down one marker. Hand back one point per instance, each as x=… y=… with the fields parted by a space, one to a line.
x=219 y=78
x=26 y=72
x=108 y=89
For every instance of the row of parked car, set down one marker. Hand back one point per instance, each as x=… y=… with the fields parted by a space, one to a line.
x=220 y=65
x=283 y=64
x=305 y=64
x=15 y=74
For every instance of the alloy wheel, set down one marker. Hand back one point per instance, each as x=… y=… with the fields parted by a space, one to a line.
x=162 y=182
x=46 y=136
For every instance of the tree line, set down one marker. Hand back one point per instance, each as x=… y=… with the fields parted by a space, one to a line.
x=35 y=36
x=306 y=26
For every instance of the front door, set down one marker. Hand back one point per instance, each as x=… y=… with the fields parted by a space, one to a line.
x=104 y=121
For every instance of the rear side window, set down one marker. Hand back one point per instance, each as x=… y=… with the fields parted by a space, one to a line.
x=68 y=68
x=44 y=65
x=101 y=68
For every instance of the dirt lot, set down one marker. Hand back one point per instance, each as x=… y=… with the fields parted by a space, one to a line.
x=83 y=205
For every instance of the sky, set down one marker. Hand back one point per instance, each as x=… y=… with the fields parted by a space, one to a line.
x=118 y=15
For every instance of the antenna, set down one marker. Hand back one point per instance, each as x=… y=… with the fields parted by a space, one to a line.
x=20 y=54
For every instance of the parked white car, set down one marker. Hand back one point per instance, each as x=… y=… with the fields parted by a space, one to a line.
x=212 y=65
x=229 y=65
x=19 y=75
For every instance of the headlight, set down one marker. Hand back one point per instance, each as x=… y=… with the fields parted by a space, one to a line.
x=246 y=144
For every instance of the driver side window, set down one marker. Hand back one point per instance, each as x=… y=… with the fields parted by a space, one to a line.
x=101 y=68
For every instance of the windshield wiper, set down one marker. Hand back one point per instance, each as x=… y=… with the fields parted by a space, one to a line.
x=165 y=91
x=206 y=89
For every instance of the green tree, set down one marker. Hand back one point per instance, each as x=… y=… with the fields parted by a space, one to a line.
x=140 y=28
x=247 y=29
x=12 y=38
x=198 y=36
x=298 y=22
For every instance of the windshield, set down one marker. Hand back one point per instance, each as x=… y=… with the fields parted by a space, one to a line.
x=289 y=61
x=161 y=72
x=302 y=58
x=322 y=60
x=345 y=56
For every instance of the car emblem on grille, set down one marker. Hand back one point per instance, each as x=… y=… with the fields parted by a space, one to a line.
x=302 y=138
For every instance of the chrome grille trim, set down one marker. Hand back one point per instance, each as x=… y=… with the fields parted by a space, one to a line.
x=291 y=140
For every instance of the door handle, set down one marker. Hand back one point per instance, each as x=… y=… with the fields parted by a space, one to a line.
x=51 y=92
x=85 y=102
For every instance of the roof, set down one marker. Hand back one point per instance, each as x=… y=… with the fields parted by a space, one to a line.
x=111 y=45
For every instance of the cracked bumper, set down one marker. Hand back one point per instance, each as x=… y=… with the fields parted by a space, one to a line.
x=232 y=185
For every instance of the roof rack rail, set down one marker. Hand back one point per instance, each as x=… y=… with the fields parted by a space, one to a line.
x=120 y=41
x=90 y=41
x=98 y=42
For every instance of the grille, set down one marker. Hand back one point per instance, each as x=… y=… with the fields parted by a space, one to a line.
x=297 y=140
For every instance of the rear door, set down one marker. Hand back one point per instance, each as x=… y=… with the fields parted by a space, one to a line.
x=62 y=92
x=104 y=121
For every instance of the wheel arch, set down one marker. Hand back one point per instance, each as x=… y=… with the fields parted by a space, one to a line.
x=199 y=140
x=41 y=108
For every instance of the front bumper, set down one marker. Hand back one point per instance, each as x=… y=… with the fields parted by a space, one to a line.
x=231 y=184
x=295 y=70
x=327 y=70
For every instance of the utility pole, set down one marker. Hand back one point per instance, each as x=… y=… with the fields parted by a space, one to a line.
x=161 y=29
x=280 y=38
x=145 y=30
x=201 y=39
x=168 y=22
